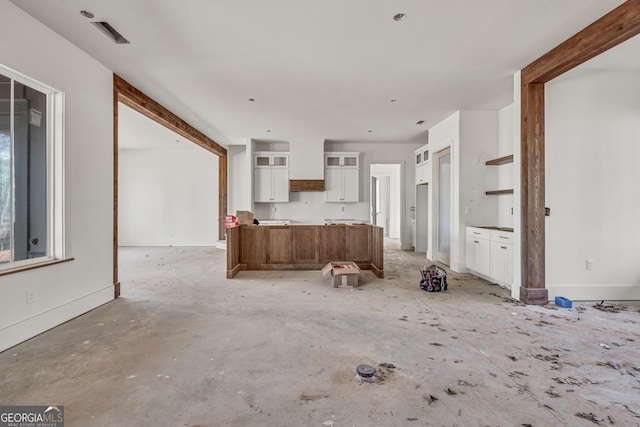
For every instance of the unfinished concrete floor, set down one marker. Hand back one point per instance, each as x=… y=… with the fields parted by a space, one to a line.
x=184 y=346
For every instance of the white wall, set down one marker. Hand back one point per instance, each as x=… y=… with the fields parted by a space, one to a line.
x=306 y=159
x=473 y=138
x=506 y=142
x=66 y=290
x=168 y=197
x=592 y=148
x=239 y=178
x=517 y=195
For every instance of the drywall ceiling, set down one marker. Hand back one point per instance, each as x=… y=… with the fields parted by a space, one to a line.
x=320 y=69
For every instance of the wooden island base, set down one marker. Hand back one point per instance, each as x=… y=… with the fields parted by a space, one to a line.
x=303 y=247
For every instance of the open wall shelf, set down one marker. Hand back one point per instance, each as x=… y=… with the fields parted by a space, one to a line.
x=498 y=192
x=500 y=161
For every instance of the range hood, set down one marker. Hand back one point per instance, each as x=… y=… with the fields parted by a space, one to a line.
x=306 y=185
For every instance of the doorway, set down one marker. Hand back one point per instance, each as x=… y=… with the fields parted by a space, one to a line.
x=127 y=94
x=386 y=200
x=380 y=202
x=443 y=206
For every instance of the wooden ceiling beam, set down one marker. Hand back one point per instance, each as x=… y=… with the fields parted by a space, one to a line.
x=145 y=105
x=615 y=27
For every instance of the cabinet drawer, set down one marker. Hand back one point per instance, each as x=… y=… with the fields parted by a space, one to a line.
x=478 y=233
x=502 y=236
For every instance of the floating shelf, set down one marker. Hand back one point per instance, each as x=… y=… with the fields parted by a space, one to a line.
x=498 y=192
x=500 y=161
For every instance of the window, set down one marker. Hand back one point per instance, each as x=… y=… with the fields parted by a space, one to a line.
x=30 y=171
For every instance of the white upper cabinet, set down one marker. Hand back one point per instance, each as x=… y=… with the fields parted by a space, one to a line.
x=271 y=160
x=421 y=163
x=342 y=177
x=338 y=160
x=271 y=177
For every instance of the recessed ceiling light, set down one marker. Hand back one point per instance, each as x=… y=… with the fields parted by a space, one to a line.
x=87 y=14
x=252 y=99
x=420 y=122
x=268 y=130
x=399 y=17
x=394 y=100
x=370 y=131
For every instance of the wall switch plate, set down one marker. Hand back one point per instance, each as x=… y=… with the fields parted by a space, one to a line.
x=31 y=296
x=589 y=264
x=467 y=211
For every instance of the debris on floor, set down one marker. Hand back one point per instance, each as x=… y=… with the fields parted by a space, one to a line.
x=430 y=398
x=590 y=416
x=611 y=308
x=386 y=370
x=308 y=397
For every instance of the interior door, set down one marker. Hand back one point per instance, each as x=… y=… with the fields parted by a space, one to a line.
x=443 y=199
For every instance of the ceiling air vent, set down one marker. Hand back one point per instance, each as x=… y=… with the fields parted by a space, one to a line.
x=111 y=32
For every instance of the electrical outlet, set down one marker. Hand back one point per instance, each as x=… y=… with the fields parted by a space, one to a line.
x=589 y=264
x=31 y=296
x=467 y=211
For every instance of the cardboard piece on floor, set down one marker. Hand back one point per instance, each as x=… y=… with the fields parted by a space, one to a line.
x=344 y=274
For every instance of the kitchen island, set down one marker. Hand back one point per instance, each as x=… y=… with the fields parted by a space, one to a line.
x=304 y=247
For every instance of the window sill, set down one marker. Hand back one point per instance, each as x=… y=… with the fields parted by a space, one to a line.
x=34 y=266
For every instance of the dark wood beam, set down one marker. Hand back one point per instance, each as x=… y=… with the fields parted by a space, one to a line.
x=615 y=27
x=142 y=103
x=532 y=289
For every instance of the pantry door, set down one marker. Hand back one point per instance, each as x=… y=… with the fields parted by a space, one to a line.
x=443 y=208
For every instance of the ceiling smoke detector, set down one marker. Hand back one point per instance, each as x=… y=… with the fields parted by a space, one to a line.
x=111 y=32
x=399 y=17
x=87 y=14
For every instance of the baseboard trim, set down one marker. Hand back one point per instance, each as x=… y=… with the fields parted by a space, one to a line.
x=28 y=328
x=599 y=292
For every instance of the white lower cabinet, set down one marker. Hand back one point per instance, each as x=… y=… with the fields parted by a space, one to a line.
x=478 y=250
x=502 y=257
x=490 y=254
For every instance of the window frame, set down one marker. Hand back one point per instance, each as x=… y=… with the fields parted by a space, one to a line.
x=55 y=167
